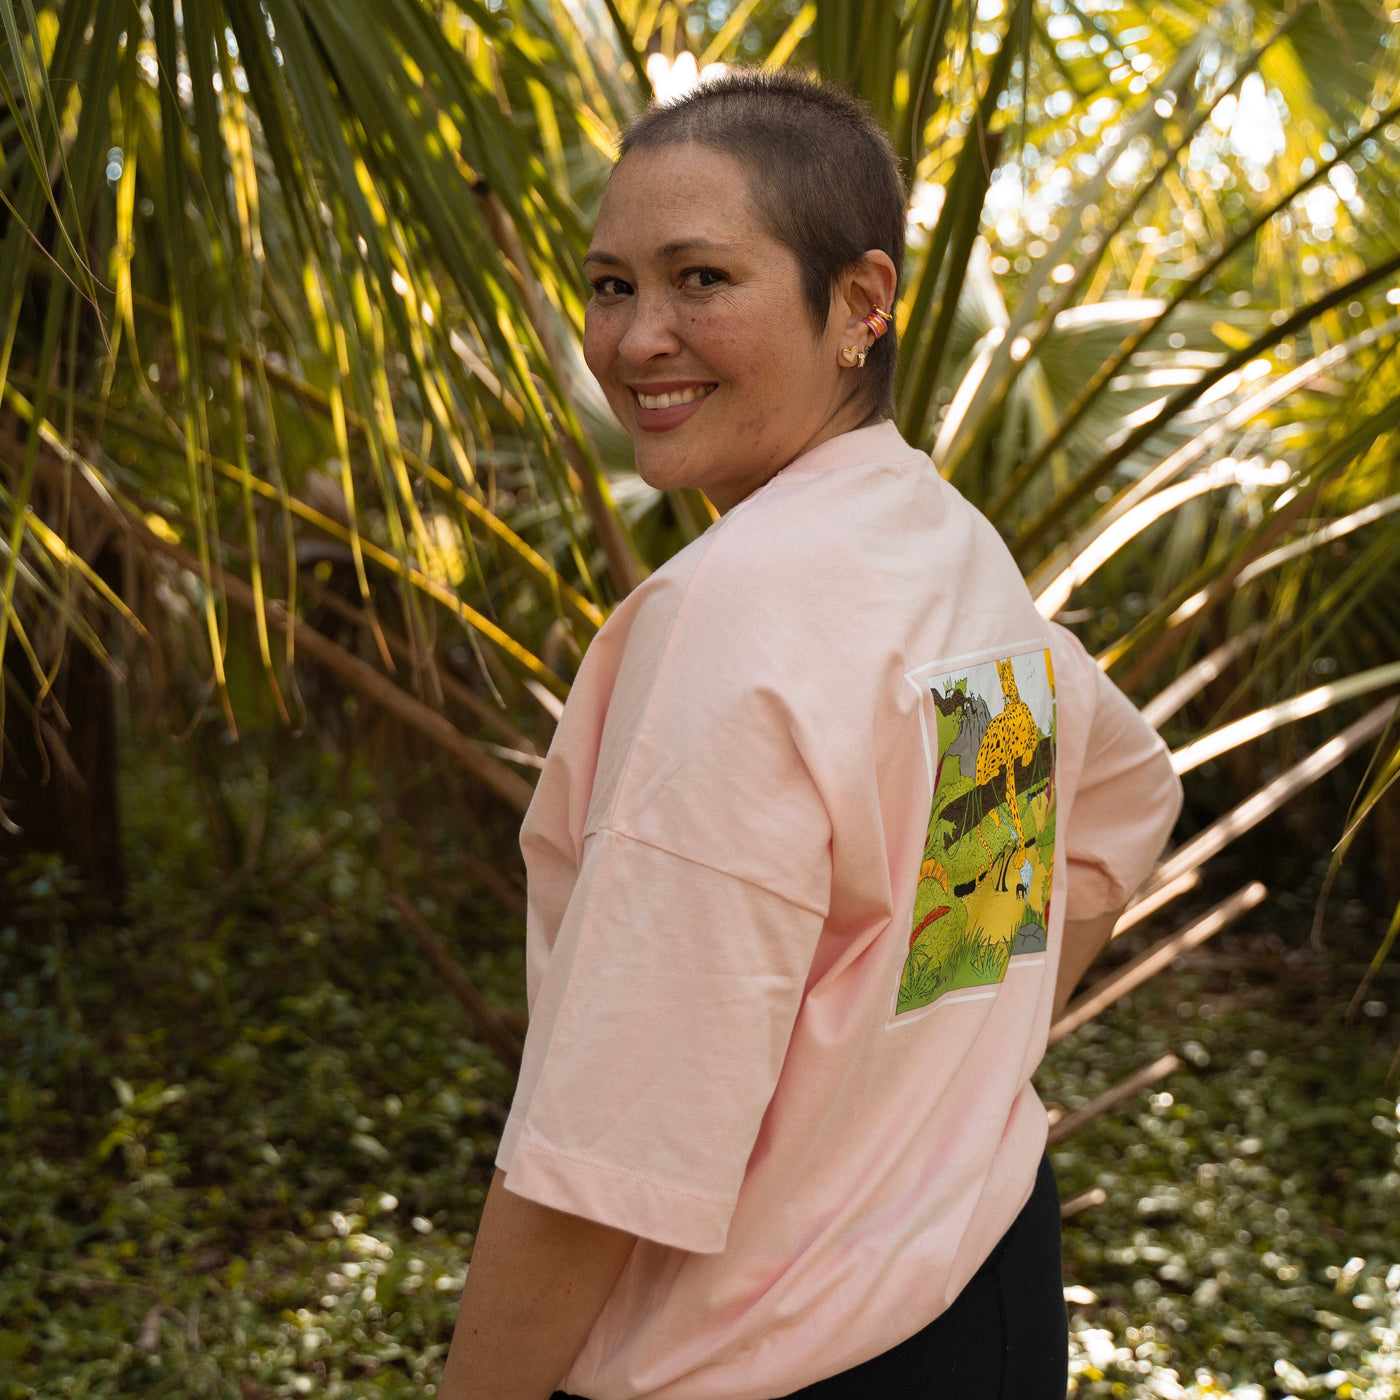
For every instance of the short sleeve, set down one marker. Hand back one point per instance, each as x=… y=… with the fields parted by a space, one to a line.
x=1126 y=801
x=659 y=1031
x=675 y=974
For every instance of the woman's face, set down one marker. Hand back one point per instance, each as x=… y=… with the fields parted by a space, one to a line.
x=698 y=332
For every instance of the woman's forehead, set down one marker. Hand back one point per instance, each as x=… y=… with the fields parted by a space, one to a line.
x=667 y=199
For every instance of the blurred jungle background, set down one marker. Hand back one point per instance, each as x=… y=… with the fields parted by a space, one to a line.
x=309 y=509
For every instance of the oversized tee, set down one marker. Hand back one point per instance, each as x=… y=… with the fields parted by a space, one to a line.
x=823 y=794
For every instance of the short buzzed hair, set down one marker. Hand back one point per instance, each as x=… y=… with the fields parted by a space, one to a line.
x=823 y=177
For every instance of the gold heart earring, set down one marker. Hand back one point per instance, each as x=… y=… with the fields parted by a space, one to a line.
x=877 y=322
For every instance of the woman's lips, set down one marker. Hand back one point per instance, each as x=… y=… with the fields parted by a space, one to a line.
x=660 y=407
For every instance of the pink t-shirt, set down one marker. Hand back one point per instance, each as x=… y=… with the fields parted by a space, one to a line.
x=823 y=794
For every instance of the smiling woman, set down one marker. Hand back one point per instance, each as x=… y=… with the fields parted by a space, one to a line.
x=832 y=821
x=698 y=332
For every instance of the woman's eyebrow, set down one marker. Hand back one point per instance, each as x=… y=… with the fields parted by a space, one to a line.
x=694 y=245
x=666 y=250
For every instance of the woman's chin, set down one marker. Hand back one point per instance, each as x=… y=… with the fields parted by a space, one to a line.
x=665 y=475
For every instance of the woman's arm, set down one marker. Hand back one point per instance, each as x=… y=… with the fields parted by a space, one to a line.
x=1084 y=940
x=537 y=1282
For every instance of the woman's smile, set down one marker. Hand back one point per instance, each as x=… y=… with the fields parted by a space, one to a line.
x=658 y=408
x=660 y=397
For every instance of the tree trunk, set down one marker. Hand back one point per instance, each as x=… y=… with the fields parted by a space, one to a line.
x=59 y=781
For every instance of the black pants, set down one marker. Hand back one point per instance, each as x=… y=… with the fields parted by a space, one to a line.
x=1005 y=1337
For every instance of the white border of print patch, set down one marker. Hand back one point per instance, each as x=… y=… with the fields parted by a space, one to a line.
x=981 y=905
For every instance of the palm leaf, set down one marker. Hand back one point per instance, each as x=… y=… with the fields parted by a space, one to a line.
x=346 y=235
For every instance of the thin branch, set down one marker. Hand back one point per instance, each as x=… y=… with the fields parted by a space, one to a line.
x=1094 y=1196
x=452 y=689
x=1147 y=965
x=1268 y=799
x=1135 y=1083
x=1146 y=905
x=373 y=684
x=493 y=1031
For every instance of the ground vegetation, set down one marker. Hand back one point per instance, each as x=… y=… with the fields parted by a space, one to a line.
x=248 y=1132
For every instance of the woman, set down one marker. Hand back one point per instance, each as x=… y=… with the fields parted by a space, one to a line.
x=830 y=813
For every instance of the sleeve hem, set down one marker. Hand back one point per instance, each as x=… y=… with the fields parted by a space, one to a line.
x=1092 y=891
x=614 y=1196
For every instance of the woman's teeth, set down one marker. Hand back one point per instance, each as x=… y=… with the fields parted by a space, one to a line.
x=675 y=399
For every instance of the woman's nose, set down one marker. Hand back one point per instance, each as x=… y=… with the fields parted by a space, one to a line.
x=650 y=332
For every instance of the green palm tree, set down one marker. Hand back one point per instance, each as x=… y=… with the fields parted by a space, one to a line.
x=294 y=309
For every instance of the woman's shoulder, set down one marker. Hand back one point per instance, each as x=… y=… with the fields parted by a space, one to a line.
x=844 y=552
x=849 y=498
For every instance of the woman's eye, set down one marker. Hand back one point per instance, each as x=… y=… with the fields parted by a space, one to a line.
x=609 y=287
x=703 y=277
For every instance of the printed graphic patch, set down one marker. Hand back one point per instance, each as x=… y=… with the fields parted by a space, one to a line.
x=983 y=896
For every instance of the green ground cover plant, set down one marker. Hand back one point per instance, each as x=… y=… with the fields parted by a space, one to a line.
x=245 y=1136
x=1250 y=1240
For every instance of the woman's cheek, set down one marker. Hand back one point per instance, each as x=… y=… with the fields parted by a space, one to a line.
x=595 y=353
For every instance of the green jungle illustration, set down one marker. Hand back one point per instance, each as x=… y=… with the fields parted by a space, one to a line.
x=984 y=882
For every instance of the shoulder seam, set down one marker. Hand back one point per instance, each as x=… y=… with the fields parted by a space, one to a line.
x=603 y=828
x=664 y=659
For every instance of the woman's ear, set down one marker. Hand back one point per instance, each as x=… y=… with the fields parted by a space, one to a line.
x=869 y=282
